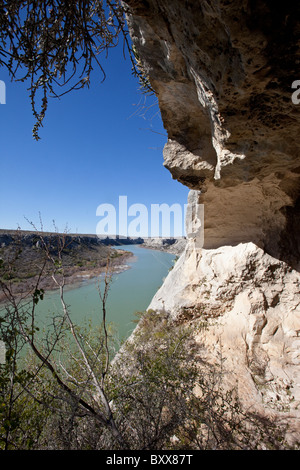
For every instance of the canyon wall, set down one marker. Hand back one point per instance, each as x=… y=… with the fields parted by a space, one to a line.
x=223 y=71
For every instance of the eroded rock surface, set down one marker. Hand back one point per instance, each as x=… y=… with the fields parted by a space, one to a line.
x=223 y=71
x=248 y=303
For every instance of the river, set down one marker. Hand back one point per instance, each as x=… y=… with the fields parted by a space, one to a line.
x=130 y=291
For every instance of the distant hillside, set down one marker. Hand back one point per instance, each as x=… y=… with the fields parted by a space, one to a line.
x=30 y=237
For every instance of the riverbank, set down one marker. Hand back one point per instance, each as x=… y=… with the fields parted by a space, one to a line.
x=25 y=261
x=23 y=255
x=73 y=277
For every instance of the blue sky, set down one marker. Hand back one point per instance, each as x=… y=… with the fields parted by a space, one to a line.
x=95 y=146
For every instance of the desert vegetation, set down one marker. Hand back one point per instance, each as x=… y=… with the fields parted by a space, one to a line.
x=75 y=388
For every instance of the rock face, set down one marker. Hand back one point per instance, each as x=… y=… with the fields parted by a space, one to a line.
x=250 y=302
x=172 y=245
x=223 y=72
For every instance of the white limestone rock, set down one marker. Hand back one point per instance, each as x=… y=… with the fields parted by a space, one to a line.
x=250 y=303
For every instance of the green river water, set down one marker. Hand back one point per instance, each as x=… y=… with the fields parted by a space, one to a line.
x=130 y=291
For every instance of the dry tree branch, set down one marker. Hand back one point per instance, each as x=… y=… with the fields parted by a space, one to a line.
x=108 y=417
x=101 y=410
x=103 y=297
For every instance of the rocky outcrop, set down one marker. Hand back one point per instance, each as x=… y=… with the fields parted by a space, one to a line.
x=172 y=245
x=223 y=71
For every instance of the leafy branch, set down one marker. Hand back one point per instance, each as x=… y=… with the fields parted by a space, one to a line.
x=56 y=45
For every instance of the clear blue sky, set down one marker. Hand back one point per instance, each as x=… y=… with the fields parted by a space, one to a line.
x=95 y=146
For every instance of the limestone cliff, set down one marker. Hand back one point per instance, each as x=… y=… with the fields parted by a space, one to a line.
x=222 y=71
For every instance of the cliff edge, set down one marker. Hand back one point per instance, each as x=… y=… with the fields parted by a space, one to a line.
x=222 y=72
